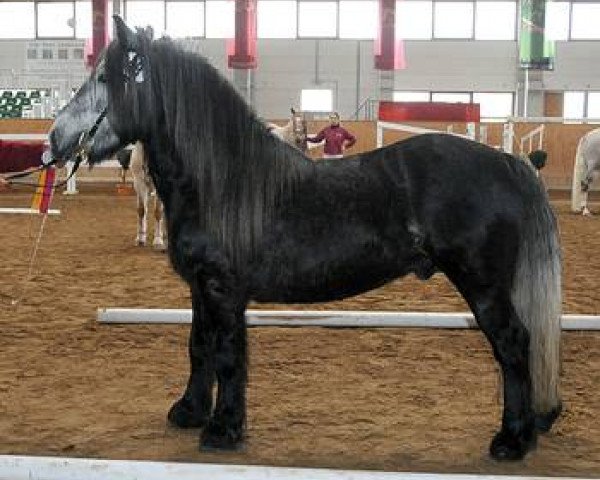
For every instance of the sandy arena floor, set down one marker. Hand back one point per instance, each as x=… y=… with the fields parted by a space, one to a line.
x=387 y=399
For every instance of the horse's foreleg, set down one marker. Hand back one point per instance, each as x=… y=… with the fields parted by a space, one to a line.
x=159 y=240
x=194 y=408
x=509 y=338
x=142 y=208
x=225 y=429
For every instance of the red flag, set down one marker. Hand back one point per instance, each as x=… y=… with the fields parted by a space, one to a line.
x=44 y=190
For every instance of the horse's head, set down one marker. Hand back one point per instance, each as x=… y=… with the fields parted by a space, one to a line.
x=299 y=130
x=104 y=115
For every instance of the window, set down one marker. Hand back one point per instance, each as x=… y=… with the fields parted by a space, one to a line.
x=22 y=20
x=83 y=19
x=451 y=97
x=573 y=104
x=414 y=19
x=584 y=22
x=185 y=19
x=494 y=104
x=495 y=20
x=55 y=19
x=220 y=18
x=316 y=100
x=143 y=13
x=276 y=19
x=453 y=20
x=593 y=105
x=557 y=20
x=317 y=19
x=411 y=96
x=358 y=19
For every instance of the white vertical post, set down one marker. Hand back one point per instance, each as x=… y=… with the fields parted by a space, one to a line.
x=471 y=130
x=71 y=182
x=526 y=93
x=508 y=133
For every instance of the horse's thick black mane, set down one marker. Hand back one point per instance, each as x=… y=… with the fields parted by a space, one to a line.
x=240 y=169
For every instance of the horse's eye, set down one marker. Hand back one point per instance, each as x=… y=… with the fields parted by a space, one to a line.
x=101 y=77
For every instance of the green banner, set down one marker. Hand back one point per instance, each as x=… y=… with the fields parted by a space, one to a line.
x=536 y=50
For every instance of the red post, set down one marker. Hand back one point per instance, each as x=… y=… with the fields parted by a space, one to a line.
x=100 y=37
x=243 y=53
x=389 y=53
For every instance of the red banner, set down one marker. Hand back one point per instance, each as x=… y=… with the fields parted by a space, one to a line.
x=389 y=52
x=241 y=51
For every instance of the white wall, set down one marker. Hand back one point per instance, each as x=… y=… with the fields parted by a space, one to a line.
x=285 y=67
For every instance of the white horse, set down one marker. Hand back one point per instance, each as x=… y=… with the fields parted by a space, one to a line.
x=586 y=170
x=144 y=189
x=293 y=132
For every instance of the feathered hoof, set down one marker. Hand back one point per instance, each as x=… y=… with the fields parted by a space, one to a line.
x=217 y=438
x=160 y=247
x=509 y=447
x=183 y=415
x=140 y=242
x=544 y=422
x=586 y=212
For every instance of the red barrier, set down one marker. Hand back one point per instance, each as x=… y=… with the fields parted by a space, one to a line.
x=428 y=111
x=18 y=156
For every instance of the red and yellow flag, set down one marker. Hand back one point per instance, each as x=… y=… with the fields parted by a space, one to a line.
x=44 y=190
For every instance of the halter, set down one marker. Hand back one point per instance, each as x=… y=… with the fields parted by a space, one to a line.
x=79 y=154
x=81 y=151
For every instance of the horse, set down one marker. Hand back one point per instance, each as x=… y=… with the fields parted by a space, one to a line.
x=145 y=192
x=586 y=170
x=133 y=159
x=294 y=132
x=251 y=218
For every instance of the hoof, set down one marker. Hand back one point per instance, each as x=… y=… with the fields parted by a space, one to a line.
x=216 y=438
x=544 y=422
x=140 y=242
x=182 y=415
x=508 y=447
x=160 y=247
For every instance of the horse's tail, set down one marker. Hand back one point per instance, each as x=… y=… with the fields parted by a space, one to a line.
x=537 y=299
x=578 y=196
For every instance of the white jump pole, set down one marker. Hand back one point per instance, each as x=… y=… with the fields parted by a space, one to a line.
x=328 y=318
x=27 y=211
x=57 y=468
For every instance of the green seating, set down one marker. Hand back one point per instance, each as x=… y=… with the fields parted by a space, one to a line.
x=15 y=114
x=11 y=100
x=26 y=101
x=21 y=94
x=35 y=94
x=7 y=94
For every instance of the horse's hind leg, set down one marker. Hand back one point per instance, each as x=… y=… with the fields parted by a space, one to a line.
x=496 y=316
x=159 y=241
x=194 y=408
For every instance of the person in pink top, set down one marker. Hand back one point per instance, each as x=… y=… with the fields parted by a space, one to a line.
x=337 y=138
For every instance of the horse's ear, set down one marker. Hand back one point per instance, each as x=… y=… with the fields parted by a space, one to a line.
x=126 y=36
x=293 y=110
x=149 y=31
